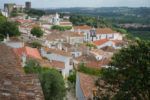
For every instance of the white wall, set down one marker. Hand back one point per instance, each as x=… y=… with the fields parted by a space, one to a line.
x=76 y=54
x=74 y=40
x=79 y=92
x=15 y=44
x=57 y=57
x=109 y=43
x=99 y=57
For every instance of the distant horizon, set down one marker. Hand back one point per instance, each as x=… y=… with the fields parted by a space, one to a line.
x=90 y=7
x=86 y=7
x=52 y=4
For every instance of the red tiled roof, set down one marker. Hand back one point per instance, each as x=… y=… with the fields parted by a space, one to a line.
x=59 y=52
x=9 y=60
x=33 y=52
x=104 y=31
x=83 y=27
x=57 y=64
x=87 y=83
x=52 y=64
x=30 y=52
x=94 y=64
x=14 y=83
x=29 y=26
x=65 y=23
x=117 y=41
x=98 y=64
x=108 y=49
x=73 y=34
x=100 y=42
x=23 y=21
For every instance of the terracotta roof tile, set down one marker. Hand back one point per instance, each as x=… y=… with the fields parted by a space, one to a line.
x=30 y=52
x=54 y=35
x=52 y=64
x=83 y=27
x=101 y=52
x=100 y=42
x=73 y=34
x=66 y=23
x=87 y=84
x=14 y=83
x=23 y=21
x=59 y=52
x=97 y=64
x=108 y=49
x=9 y=60
x=104 y=31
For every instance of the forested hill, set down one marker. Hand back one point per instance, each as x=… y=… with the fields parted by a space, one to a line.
x=134 y=20
x=108 y=12
x=117 y=15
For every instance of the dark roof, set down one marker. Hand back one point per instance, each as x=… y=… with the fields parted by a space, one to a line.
x=108 y=49
x=14 y=83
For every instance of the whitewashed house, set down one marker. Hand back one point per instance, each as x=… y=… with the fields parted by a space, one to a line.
x=104 y=33
x=25 y=30
x=85 y=30
x=13 y=43
x=73 y=37
x=107 y=43
x=107 y=33
x=92 y=34
x=100 y=54
x=4 y=13
x=59 y=55
x=53 y=39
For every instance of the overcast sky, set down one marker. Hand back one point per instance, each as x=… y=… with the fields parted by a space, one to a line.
x=80 y=3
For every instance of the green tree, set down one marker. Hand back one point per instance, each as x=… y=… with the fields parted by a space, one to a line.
x=130 y=72
x=14 y=13
x=32 y=66
x=89 y=20
x=7 y=27
x=1 y=37
x=36 y=31
x=52 y=82
x=35 y=12
x=36 y=44
x=61 y=28
x=72 y=77
x=2 y=19
x=10 y=28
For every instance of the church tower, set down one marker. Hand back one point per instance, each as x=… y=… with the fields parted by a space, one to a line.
x=56 y=19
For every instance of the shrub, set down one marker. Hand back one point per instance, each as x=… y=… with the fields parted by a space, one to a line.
x=61 y=28
x=90 y=71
